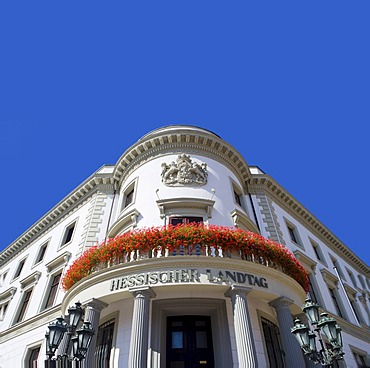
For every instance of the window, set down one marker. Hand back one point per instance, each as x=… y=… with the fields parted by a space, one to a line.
x=53 y=291
x=337 y=267
x=293 y=234
x=271 y=335
x=3 y=309
x=185 y=220
x=362 y=281
x=19 y=268
x=317 y=251
x=352 y=277
x=2 y=278
x=24 y=304
x=314 y=293
x=237 y=198
x=33 y=357
x=5 y=298
x=129 y=195
x=67 y=237
x=360 y=360
x=238 y=194
x=355 y=309
x=129 y=198
x=41 y=253
x=104 y=344
x=334 y=298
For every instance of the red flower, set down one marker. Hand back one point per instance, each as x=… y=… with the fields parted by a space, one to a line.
x=184 y=239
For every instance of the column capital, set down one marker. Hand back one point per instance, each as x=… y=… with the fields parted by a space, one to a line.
x=145 y=291
x=281 y=302
x=95 y=304
x=237 y=290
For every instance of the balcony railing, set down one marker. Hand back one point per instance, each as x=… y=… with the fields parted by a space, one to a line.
x=186 y=240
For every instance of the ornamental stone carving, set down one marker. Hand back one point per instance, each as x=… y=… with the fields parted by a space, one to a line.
x=184 y=172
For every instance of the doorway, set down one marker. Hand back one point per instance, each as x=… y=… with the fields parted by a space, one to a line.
x=189 y=342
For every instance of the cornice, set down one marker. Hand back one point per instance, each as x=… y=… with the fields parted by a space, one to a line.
x=257 y=183
x=94 y=183
x=38 y=320
x=180 y=140
x=241 y=219
x=167 y=204
x=165 y=263
x=7 y=294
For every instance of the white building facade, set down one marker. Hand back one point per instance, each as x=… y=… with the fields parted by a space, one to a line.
x=171 y=309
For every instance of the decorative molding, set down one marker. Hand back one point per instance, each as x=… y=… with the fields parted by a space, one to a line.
x=7 y=294
x=127 y=219
x=165 y=205
x=58 y=262
x=33 y=278
x=94 y=219
x=281 y=302
x=270 y=219
x=328 y=277
x=180 y=140
x=350 y=290
x=184 y=172
x=21 y=328
x=263 y=183
x=242 y=221
x=303 y=258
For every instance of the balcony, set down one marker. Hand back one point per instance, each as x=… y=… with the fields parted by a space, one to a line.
x=189 y=241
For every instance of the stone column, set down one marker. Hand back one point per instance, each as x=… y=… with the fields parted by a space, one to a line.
x=140 y=325
x=243 y=329
x=293 y=352
x=93 y=307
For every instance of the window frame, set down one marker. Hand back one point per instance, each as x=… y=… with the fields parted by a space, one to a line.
x=238 y=195
x=335 y=298
x=318 y=252
x=23 y=305
x=52 y=289
x=338 y=267
x=5 y=299
x=352 y=277
x=72 y=225
x=185 y=219
x=361 y=354
x=293 y=233
x=270 y=321
x=27 y=355
x=129 y=192
x=19 y=269
x=41 y=251
x=113 y=319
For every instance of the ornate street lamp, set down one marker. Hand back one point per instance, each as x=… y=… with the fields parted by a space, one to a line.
x=81 y=341
x=321 y=325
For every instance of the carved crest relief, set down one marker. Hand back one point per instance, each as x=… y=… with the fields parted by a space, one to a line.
x=184 y=172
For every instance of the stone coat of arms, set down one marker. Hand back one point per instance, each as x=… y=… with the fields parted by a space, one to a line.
x=184 y=172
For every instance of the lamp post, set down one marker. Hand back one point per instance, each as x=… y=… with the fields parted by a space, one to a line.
x=80 y=338
x=319 y=325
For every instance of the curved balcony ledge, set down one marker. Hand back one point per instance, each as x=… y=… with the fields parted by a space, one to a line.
x=202 y=275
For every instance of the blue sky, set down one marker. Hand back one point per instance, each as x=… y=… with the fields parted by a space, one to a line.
x=286 y=83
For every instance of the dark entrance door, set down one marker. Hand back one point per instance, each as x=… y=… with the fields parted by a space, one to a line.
x=189 y=342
